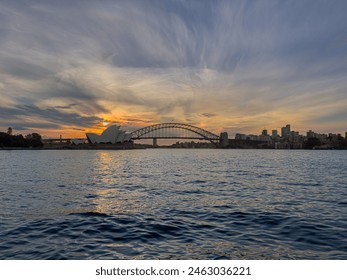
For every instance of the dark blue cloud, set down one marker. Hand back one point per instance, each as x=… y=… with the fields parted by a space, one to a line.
x=54 y=117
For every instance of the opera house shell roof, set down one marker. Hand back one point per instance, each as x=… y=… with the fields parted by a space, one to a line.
x=112 y=135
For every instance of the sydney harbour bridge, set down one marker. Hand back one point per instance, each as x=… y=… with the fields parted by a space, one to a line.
x=175 y=131
x=114 y=135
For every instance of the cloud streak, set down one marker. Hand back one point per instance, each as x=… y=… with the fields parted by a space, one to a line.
x=233 y=65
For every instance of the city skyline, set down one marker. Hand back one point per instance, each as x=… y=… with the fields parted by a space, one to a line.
x=242 y=66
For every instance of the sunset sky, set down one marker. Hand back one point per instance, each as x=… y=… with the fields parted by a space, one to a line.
x=68 y=67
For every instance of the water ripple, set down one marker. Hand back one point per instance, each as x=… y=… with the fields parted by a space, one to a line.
x=120 y=205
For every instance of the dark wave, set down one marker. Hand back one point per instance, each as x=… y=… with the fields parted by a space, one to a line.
x=94 y=235
x=215 y=204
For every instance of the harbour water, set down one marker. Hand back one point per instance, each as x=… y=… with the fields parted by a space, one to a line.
x=173 y=204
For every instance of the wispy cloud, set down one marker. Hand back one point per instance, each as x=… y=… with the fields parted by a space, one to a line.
x=220 y=64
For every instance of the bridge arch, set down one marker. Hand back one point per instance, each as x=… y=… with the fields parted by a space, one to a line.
x=150 y=132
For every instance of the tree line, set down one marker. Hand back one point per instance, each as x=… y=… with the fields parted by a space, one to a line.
x=7 y=139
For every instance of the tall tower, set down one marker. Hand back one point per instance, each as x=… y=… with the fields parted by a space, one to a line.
x=224 y=139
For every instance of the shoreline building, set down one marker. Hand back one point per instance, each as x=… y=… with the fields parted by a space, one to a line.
x=110 y=135
x=285 y=132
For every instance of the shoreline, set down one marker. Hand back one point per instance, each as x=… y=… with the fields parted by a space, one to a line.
x=144 y=148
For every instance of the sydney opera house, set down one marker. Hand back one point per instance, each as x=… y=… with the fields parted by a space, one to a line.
x=111 y=135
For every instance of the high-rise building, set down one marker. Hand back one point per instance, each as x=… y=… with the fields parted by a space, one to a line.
x=285 y=131
x=264 y=133
x=274 y=134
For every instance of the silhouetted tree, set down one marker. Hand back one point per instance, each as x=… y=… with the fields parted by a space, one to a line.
x=18 y=141
x=34 y=140
x=342 y=142
x=7 y=140
x=311 y=143
x=31 y=140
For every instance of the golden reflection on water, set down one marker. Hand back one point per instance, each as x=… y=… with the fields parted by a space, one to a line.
x=105 y=162
x=118 y=198
x=119 y=201
x=113 y=193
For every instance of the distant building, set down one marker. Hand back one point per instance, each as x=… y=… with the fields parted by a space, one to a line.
x=285 y=132
x=320 y=136
x=310 y=134
x=111 y=135
x=288 y=128
x=333 y=137
x=239 y=136
x=288 y=131
x=224 y=139
x=252 y=137
x=284 y=145
x=78 y=141
x=295 y=136
x=294 y=140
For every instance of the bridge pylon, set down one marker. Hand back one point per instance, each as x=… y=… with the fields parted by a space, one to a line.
x=155 y=142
